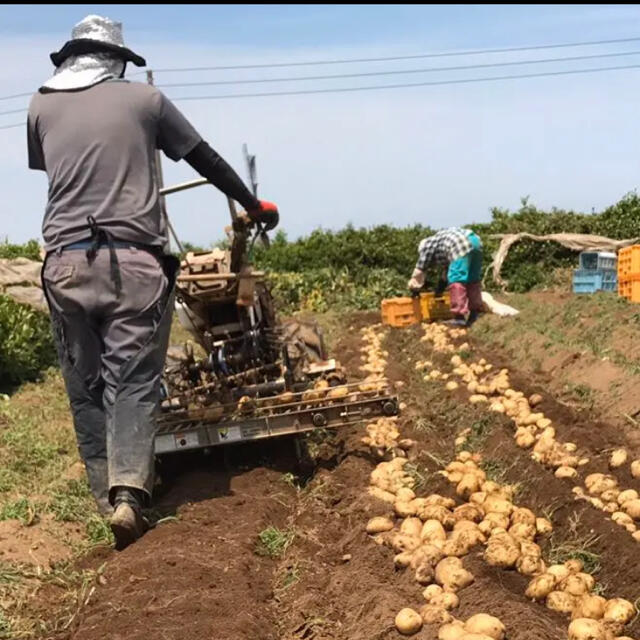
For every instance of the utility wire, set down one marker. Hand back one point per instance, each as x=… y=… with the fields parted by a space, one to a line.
x=391 y=86
x=11 y=126
x=399 y=86
x=410 y=57
x=17 y=95
x=398 y=72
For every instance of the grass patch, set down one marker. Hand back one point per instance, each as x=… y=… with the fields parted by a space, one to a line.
x=420 y=476
x=73 y=502
x=574 y=545
x=22 y=509
x=479 y=432
x=273 y=542
x=286 y=578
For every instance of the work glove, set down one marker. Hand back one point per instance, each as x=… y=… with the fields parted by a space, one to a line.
x=417 y=280
x=267 y=215
x=440 y=287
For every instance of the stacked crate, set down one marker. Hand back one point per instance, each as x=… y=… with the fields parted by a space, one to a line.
x=629 y=273
x=403 y=312
x=597 y=272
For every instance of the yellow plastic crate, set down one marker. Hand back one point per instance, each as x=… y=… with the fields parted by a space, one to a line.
x=629 y=288
x=432 y=308
x=629 y=262
x=400 y=312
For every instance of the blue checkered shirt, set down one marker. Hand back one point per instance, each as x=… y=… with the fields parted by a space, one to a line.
x=444 y=247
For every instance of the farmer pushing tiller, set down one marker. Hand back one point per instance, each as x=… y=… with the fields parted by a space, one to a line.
x=111 y=289
x=107 y=280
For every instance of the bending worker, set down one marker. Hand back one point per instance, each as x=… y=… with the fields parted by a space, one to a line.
x=108 y=283
x=459 y=253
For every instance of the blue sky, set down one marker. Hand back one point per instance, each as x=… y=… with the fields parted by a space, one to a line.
x=438 y=155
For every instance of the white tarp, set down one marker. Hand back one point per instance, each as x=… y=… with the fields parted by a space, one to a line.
x=574 y=241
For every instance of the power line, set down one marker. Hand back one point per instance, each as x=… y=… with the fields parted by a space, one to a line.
x=390 y=58
x=17 y=95
x=399 y=86
x=400 y=71
x=6 y=113
x=12 y=126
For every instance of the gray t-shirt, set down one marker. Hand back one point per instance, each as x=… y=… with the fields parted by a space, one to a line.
x=97 y=146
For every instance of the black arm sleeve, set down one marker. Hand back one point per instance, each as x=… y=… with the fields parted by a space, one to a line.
x=212 y=167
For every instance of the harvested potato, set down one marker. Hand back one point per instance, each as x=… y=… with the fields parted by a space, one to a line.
x=487 y=625
x=468 y=512
x=440 y=501
x=452 y=575
x=619 y=610
x=561 y=601
x=610 y=496
x=618 y=458
x=625 y=496
x=497 y=504
x=586 y=629
x=523 y=531
x=621 y=518
x=402 y=560
x=379 y=524
x=635 y=468
x=543 y=526
x=498 y=555
x=408 y=622
x=404 y=509
x=470 y=483
x=424 y=572
x=434 y=614
x=452 y=385
x=426 y=553
x=559 y=571
x=590 y=606
x=452 y=631
x=405 y=495
x=535 y=399
x=385 y=496
x=529 y=565
x=575 y=565
x=565 y=472
x=578 y=584
x=402 y=542
x=523 y=516
x=433 y=530
x=411 y=526
x=540 y=587
x=632 y=508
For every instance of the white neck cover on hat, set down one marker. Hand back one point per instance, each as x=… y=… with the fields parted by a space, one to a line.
x=79 y=72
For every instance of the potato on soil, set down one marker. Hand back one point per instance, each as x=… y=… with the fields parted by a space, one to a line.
x=379 y=524
x=543 y=526
x=411 y=526
x=402 y=542
x=434 y=614
x=452 y=631
x=521 y=515
x=618 y=458
x=402 y=560
x=587 y=629
x=559 y=571
x=530 y=565
x=487 y=625
x=408 y=622
x=575 y=565
x=635 y=468
x=561 y=601
x=452 y=575
x=625 y=496
x=619 y=610
x=426 y=553
x=632 y=508
x=578 y=584
x=540 y=587
x=590 y=606
x=535 y=399
x=433 y=530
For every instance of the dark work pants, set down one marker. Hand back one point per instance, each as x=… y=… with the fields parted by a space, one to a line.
x=111 y=350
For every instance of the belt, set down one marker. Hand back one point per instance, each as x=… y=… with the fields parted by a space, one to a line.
x=101 y=237
x=117 y=244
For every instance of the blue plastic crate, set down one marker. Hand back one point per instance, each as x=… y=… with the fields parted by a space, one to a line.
x=592 y=280
x=592 y=260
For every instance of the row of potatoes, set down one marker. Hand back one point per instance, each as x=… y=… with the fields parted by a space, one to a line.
x=565 y=588
x=535 y=431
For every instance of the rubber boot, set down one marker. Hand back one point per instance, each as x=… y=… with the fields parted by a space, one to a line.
x=127 y=522
x=473 y=316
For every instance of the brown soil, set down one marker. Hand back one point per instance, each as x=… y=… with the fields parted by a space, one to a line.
x=199 y=576
x=39 y=544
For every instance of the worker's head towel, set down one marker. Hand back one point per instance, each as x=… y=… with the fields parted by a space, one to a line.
x=96 y=52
